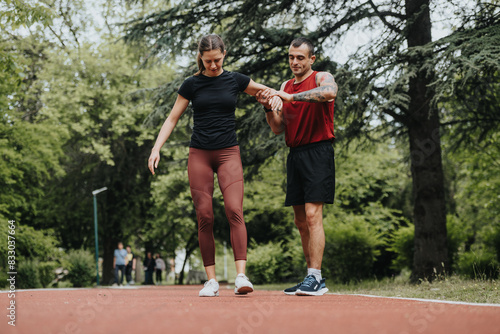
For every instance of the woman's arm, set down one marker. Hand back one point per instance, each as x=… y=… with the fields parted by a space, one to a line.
x=253 y=88
x=179 y=107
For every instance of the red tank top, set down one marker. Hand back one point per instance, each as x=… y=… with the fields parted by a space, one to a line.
x=307 y=122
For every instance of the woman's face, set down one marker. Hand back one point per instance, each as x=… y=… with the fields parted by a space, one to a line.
x=212 y=60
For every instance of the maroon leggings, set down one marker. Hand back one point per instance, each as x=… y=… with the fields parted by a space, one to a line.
x=226 y=163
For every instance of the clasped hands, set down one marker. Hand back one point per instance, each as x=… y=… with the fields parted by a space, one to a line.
x=273 y=99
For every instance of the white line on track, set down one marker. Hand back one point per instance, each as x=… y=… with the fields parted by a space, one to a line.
x=421 y=300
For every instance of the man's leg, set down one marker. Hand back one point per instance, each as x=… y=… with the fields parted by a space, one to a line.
x=314 y=219
x=309 y=221
x=301 y=223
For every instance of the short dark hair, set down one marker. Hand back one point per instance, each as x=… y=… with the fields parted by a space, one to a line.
x=303 y=40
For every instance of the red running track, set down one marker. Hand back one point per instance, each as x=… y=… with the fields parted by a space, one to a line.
x=178 y=309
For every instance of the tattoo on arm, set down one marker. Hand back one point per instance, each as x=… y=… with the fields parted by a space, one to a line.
x=326 y=91
x=313 y=95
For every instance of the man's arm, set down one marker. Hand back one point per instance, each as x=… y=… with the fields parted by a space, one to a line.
x=325 y=92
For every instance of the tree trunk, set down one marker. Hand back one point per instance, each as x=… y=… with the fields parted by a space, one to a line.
x=190 y=247
x=430 y=256
x=108 y=274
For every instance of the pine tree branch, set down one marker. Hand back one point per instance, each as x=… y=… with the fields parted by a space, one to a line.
x=382 y=16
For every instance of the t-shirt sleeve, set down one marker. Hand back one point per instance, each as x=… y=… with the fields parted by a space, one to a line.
x=186 y=89
x=242 y=80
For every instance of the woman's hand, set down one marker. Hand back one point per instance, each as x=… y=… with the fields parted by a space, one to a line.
x=153 y=160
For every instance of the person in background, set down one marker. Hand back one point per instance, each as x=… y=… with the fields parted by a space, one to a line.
x=160 y=267
x=119 y=263
x=130 y=267
x=149 y=268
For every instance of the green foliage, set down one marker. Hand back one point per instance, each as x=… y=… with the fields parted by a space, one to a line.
x=478 y=265
x=30 y=155
x=31 y=243
x=81 y=267
x=268 y=263
x=351 y=249
x=28 y=275
x=46 y=272
x=33 y=274
x=402 y=244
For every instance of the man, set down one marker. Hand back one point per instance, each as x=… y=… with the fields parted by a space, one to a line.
x=307 y=120
x=149 y=268
x=131 y=262
x=119 y=263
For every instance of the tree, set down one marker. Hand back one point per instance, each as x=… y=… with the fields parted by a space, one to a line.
x=393 y=79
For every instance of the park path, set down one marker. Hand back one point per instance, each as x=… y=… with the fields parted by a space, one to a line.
x=178 y=309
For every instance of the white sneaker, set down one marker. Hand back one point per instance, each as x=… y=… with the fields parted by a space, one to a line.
x=242 y=285
x=211 y=289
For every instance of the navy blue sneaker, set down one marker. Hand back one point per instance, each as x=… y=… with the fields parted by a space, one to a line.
x=291 y=291
x=311 y=287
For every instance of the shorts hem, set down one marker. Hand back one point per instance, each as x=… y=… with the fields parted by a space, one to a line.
x=308 y=201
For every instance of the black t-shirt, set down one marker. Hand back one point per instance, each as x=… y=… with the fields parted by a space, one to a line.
x=214 y=102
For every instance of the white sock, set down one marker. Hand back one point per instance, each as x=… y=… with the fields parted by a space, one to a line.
x=315 y=272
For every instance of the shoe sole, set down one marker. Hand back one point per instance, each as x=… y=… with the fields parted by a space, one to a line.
x=243 y=290
x=311 y=293
x=215 y=295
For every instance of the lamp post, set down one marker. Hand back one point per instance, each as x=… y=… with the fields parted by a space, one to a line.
x=94 y=193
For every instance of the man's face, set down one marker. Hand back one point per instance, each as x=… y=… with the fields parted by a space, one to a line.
x=120 y=246
x=299 y=59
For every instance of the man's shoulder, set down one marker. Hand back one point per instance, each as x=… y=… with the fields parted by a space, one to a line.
x=322 y=76
x=283 y=85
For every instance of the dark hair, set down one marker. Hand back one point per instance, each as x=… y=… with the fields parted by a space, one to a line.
x=208 y=43
x=302 y=40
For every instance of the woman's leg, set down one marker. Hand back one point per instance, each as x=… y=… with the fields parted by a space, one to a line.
x=230 y=176
x=201 y=181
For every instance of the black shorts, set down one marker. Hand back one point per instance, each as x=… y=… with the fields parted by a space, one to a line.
x=310 y=174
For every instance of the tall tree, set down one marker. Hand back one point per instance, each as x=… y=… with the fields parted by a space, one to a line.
x=392 y=79
x=422 y=121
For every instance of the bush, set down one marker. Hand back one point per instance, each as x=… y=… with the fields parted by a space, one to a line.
x=28 y=276
x=457 y=234
x=402 y=244
x=268 y=263
x=46 y=273
x=351 y=250
x=478 y=265
x=81 y=267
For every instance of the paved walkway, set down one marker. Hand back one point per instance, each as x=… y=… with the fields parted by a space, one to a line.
x=178 y=309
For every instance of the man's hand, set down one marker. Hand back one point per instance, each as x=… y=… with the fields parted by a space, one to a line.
x=269 y=100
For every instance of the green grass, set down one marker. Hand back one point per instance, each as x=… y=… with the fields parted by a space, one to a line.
x=452 y=288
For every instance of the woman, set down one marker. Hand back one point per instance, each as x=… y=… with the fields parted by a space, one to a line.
x=213 y=93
